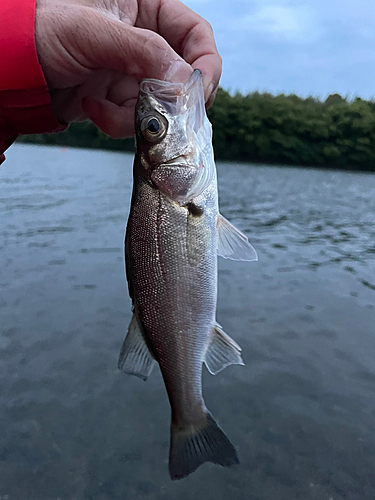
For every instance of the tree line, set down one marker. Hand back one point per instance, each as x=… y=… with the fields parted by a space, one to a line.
x=263 y=128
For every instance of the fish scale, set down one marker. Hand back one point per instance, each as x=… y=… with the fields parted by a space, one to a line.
x=173 y=235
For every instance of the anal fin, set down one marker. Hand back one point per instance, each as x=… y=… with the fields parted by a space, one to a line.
x=135 y=357
x=222 y=351
x=232 y=243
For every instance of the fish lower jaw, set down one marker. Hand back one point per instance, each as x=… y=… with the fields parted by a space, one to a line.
x=184 y=159
x=175 y=181
x=179 y=163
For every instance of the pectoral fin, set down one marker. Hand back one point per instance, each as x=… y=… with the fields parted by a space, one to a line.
x=135 y=357
x=232 y=244
x=222 y=351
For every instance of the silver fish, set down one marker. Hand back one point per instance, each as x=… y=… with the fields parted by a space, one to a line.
x=173 y=236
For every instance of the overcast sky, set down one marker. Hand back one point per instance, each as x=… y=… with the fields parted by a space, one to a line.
x=312 y=47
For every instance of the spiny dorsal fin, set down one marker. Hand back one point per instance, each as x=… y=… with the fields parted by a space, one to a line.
x=232 y=244
x=222 y=351
x=135 y=357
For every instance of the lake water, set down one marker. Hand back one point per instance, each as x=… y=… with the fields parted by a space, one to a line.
x=301 y=412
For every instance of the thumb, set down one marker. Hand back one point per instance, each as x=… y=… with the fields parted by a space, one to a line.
x=110 y=43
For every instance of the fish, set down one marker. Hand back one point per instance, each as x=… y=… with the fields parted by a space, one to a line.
x=173 y=236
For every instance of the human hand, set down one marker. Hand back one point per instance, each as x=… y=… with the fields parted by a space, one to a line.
x=94 y=53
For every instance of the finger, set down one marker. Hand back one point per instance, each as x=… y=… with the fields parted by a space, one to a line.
x=137 y=52
x=115 y=121
x=212 y=98
x=122 y=89
x=190 y=35
x=210 y=84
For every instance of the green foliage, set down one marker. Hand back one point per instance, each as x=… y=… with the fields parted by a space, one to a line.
x=84 y=135
x=294 y=131
x=286 y=129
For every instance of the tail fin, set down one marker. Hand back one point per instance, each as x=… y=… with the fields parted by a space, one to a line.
x=192 y=446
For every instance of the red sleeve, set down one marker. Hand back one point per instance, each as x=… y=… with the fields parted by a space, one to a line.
x=25 y=103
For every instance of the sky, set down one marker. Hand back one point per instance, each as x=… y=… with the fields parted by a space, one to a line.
x=312 y=47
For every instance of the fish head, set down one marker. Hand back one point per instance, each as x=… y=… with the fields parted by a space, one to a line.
x=174 y=137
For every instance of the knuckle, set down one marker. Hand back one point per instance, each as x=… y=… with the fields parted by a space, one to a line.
x=208 y=27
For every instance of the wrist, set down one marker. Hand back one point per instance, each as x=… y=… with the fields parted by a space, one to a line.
x=25 y=103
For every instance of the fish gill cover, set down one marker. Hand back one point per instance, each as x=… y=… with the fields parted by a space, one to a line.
x=186 y=101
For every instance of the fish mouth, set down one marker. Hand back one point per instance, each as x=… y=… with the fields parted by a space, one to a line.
x=180 y=161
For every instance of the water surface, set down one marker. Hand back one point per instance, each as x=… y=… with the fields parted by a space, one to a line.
x=301 y=412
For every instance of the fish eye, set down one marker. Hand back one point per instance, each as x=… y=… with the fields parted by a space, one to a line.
x=153 y=128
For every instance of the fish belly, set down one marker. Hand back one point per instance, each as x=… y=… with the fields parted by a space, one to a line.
x=171 y=267
x=173 y=259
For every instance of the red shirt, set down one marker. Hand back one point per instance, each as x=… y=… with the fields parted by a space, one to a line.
x=25 y=103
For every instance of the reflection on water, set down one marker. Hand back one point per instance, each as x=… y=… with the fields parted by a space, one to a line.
x=301 y=412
